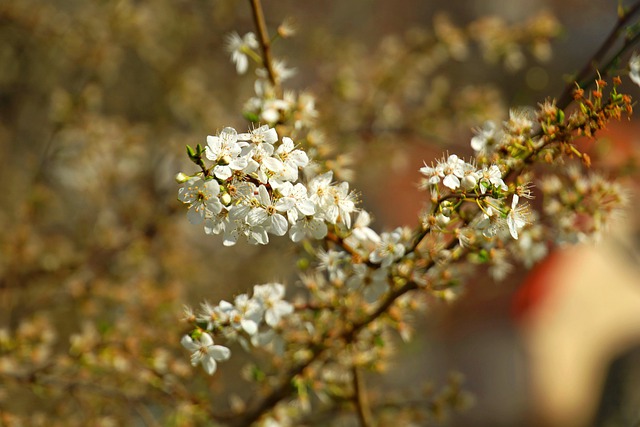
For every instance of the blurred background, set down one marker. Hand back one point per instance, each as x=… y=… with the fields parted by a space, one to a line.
x=99 y=98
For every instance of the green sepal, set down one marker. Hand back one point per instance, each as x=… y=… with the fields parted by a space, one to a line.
x=190 y=152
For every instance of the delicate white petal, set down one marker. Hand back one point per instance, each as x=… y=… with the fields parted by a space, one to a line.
x=451 y=181
x=279 y=225
x=187 y=342
x=206 y=340
x=219 y=352
x=209 y=364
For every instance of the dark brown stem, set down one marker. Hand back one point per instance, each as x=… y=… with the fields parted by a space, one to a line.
x=588 y=72
x=265 y=43
x=360 y=398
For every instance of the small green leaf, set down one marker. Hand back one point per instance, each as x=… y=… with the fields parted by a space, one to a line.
x=252 y=117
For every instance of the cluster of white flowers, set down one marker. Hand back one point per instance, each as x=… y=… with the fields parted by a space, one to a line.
x=456 y=174
x=486 y=183
x=247 y=320
x=267 y=107
x=515 y=131
x=254 y=188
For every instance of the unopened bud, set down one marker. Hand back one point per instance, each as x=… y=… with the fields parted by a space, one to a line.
x=225 y=199
x=182 y=177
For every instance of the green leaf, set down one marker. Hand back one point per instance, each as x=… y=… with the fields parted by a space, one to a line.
x=252 y=117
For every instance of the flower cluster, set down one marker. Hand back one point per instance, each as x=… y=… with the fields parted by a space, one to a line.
x=581 y=207
x=456 y=174
x=268 y=107
x=249 y=320
x=484 y=186
x=254 y=188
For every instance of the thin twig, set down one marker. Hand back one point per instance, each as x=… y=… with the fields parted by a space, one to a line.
x=360 y=398
x=591 y=67
x=265 y=43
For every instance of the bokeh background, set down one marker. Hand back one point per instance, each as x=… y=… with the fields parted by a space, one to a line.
x=98 y=100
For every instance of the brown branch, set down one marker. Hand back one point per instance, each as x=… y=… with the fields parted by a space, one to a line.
x=265 y=43
x=360 y=398
x=588 y=72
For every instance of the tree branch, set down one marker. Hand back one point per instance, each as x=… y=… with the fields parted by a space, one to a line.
x=360 y=398
x=265 y=43
x=588 y=72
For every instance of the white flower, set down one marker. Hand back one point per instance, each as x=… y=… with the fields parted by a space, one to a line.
x=267 y=214
x=634 y=68
x=433 y=175
x=202 y=198
x=238 y=46
x=214 y=316
x=375 y=281
x=333 y=262
x=453 y=170
x=249 y=314
x=225 y=150
x=263 y=134
x=486 y=138
x=271 y=296
x=471 y=176
x=205 y=352
x=491 y=176
x=340 y=205
x=302 y=204
x=517 y=216
x=362 y=235
x=291 y=160
x=520 y=121
x=269 y=339
x=389 y=249
x=308 y=226
x=280 y=69
x=319 y=189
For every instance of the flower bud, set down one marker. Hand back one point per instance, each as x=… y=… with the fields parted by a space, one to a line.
x=442 y=220
x=182 y=177
x=469 y=182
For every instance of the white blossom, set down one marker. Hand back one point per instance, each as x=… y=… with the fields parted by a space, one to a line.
x=452 y=170
x=491 y=177
x=389 y=249
x=486 y=138
x=202 y=198
x=517 y=216
x=271 y=297
x=225 y=150
x=373 y=280
x=205 y=352
x=237 y=46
